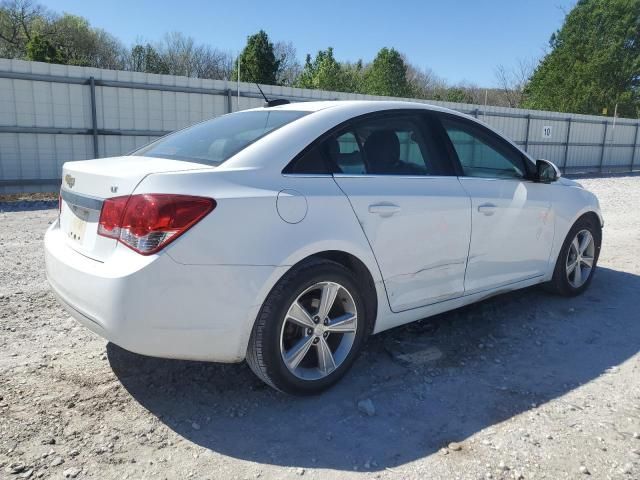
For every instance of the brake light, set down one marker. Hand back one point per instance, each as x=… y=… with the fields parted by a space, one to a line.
x=149 y=222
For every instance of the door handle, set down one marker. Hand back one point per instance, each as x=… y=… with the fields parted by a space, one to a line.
x=384 y=209
x=487 y=208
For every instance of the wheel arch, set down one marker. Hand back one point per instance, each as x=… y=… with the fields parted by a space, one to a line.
x=586 y=212
x=595 y=215
x=371 y=282
x=364 y=268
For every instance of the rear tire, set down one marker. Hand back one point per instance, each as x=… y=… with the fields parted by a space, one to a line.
x=578 y=258
x=310 y=328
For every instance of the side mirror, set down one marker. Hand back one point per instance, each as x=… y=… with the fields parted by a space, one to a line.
x=546 y=171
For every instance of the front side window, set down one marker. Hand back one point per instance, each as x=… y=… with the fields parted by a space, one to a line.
x=214 y=141
x=479 y=156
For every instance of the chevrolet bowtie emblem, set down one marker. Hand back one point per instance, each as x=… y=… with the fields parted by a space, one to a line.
x=70 y=180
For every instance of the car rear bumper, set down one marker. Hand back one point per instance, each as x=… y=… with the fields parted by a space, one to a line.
x=156 y=306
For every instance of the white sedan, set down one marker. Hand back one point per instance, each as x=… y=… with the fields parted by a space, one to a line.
x=285 y=235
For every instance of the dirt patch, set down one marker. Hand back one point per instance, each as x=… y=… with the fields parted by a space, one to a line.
x=29 y=197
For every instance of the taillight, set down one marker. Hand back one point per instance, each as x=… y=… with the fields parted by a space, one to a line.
x=111 y=216
x=149 y=222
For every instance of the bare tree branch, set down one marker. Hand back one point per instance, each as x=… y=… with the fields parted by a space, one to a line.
x=512 y=82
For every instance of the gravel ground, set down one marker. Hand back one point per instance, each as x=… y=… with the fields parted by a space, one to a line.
x=525 y=385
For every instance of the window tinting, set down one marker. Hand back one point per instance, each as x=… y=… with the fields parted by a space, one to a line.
x=479 y=156
x=344 y=153
x=389 y=145
x=312 y=161
x=214 y=141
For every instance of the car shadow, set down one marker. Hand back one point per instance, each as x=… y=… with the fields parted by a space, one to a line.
x=27 y=205
x=430 y=382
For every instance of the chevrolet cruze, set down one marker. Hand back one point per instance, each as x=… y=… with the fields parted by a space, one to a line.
x=286 y=235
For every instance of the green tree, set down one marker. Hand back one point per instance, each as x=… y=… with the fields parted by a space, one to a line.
x=145 y=58
x=594 y=61
x=20 y=21
x=353 y=76
x=324 y=72
x=457 y=94
x=74 y=37
x=40 y=49
x=387 y=75
x=258 y=62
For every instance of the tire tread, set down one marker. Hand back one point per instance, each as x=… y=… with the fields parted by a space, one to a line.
x=559 y=283
x=255 y=352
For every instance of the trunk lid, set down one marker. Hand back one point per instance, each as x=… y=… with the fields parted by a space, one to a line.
x=85 y=184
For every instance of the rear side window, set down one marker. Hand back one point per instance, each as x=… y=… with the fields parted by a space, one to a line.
x=402 y=144
x=339 y=153
x=214 y=141
x=395 y=146
x=312 y=161
x=344 y=154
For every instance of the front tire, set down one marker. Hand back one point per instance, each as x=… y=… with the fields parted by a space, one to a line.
x=310 y=328
x=578 y=258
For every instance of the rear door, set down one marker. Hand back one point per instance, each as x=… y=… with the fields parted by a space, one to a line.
x=512 y=216
x=409 y=202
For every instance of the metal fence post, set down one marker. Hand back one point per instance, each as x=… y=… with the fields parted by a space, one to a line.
x=635 y=147
x=566 y=147
x=526 y=138
x=94 y=116
x=604 y=145
x=475 y=113
x=229 y=101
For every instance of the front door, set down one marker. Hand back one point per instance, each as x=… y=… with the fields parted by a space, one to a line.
x=512 y=217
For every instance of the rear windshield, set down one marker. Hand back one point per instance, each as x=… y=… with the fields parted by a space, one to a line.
x=214 y=141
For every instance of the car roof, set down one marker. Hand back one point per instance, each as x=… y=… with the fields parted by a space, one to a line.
x=356 y=105
x=325 y=115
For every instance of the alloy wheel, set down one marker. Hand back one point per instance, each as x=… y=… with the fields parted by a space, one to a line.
x=318 y=331
x=580 y=258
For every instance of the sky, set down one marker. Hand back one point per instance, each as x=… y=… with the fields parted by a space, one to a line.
x=459 y=40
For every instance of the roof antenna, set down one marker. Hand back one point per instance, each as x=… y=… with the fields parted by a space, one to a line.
x=272 y=103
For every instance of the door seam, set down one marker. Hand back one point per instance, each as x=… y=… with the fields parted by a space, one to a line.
x=353 y=210
x=466 y=266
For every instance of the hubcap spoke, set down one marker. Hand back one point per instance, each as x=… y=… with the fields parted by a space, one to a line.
x=588 y=261
x=327 y=299
x=343 y=324
x=294 y=356
x=299 y=315
x=584 y=243
x=326 y=362
x=577 y=276
x=575 y=245
x=571 y=267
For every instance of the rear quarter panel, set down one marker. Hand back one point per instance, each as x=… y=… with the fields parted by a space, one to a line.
x=245 y=228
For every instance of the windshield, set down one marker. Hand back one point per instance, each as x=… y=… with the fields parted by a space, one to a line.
x=214 y=141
